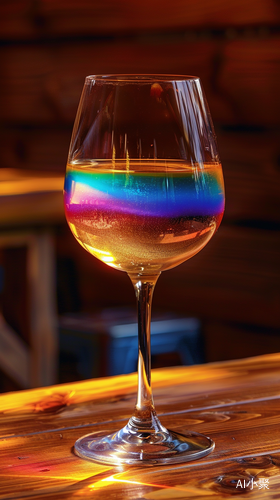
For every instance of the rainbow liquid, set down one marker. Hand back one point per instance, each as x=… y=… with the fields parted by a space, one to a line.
x=143 y=216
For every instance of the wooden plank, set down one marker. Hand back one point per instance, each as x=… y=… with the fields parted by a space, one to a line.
x=41 y=85
x=27 y=19
x=250 y=372
x=42 y=464
x=179 y=483
x=185 y=403
x=241 y=422
x=190 y=390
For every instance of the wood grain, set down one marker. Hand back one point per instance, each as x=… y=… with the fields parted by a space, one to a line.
x=39 y=462
x=114 y=398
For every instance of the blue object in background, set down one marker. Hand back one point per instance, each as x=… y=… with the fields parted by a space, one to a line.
x=108 y=344
x=167 y=336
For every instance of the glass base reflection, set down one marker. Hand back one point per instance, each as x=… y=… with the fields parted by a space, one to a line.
x=123 y=447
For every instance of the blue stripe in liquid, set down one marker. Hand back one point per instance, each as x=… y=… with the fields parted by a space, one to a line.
x=170 y=195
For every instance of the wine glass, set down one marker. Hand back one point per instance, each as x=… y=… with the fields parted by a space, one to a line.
x=143 y=193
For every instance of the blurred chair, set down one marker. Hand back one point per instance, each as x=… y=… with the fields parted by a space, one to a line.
x=173 y=335
x=107 y=344
x=31 y=202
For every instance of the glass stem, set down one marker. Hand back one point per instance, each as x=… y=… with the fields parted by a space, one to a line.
x=144 y=418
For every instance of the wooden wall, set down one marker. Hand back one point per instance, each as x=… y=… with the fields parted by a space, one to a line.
x=47 y=47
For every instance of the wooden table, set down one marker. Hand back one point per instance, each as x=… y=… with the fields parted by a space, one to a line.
x=237 y=403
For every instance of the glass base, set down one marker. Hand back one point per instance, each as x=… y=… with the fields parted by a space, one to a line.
x=123 y=447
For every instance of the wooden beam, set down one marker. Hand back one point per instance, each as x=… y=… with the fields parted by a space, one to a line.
x=26 y=19
x=41 y=85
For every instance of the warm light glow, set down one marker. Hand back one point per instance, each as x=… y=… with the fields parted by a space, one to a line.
x=94 y=389
x=106 y=481
x=73 y=229
x=27 y=469
x=107 y=259
x=102 y=254
x=96 y=250
x=23 y=402
x=31 y=184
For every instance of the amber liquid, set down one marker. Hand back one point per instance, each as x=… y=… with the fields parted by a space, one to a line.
x=143 y=217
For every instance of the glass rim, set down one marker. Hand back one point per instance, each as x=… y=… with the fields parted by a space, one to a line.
x=142 y=78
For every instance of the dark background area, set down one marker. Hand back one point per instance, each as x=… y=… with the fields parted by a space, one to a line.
x=46 y=50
